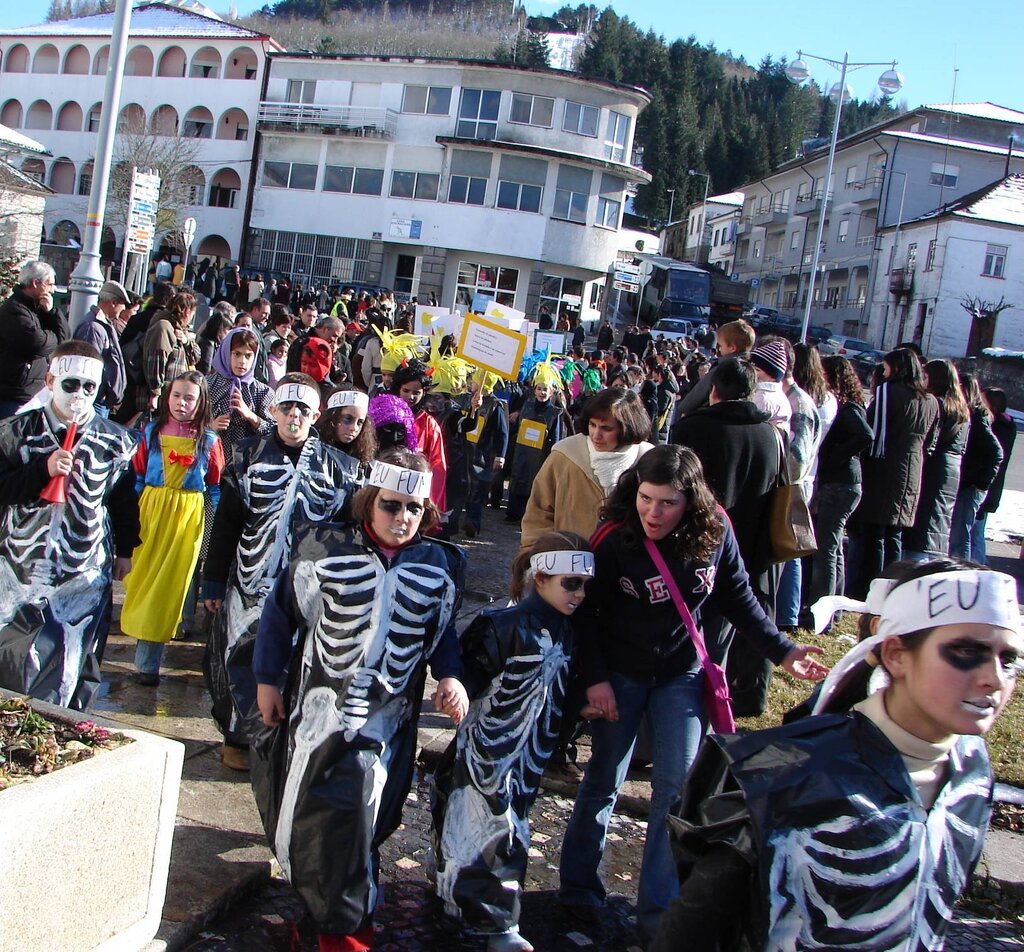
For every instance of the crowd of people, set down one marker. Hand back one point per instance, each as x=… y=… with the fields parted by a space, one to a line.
x=302 y=466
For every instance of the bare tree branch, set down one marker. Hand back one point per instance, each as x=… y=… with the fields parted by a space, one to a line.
x=984 y=310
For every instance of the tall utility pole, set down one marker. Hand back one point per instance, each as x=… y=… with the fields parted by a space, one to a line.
x=87 y=279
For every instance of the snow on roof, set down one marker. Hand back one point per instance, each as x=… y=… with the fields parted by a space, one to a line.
x=961 y=144
x=729 y=198
x=1002 y=202
x=11 y=141
x=981 y=110
x=12 y=177
x=154 y=19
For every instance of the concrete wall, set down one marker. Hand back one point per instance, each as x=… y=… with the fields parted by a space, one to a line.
x=21 y=223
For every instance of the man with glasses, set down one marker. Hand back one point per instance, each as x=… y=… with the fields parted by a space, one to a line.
x=30 y=330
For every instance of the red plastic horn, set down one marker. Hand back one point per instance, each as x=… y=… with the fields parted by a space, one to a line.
x=54 y=489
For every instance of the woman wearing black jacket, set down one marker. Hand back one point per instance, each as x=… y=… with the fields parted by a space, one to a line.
x=929 y=536
x=839 y=478
x=981 y=463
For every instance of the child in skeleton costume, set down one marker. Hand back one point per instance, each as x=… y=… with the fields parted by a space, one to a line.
x=58 y=559
x=178 y=466
x=516 y=663
x=346 y=425
x=410 y=383
x=487 y=445
x=866 y=828
x=274 y=481
x=348 y=631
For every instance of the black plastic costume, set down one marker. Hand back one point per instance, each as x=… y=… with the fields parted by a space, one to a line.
x=56 y=560
x=516 y=663
x=813 y=836
x=330 y=781
x=267 y=490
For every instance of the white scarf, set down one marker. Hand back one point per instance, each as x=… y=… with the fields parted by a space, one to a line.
x=608 y=467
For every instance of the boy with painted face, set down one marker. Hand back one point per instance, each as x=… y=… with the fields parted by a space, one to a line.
x=58 y=560
x=279 y=477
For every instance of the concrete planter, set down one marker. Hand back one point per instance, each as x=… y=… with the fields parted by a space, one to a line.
x=84 y=851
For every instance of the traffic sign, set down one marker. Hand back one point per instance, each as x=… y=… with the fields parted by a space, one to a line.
x=755 y=282
x=624 y=286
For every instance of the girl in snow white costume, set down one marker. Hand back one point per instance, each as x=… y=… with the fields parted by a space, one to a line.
x=516 y=664
x=366 y=604
x=866 y=829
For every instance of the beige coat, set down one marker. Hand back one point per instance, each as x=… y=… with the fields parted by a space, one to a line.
x=565 y=496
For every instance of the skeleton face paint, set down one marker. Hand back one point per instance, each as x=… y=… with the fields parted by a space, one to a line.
x=396 y=517
x=74 y=382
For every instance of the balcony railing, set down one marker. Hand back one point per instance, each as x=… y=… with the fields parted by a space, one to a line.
x=868 y=189
x=744 y=226
x=328 y=120
x=901 y=281
x=775 y=213
x=808 y=203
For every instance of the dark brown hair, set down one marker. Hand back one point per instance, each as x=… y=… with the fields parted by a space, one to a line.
x=362 y=448
x=624 y=407
x=944 y=383
x=808 y=373
x=549 y=542
x=181 y=307
x=843 y=380
x=364 y=500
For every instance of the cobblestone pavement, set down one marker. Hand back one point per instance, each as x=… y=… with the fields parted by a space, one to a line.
x=409 y=917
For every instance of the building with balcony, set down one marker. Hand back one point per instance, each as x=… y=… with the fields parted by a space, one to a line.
x=970 y=249
x=893 y=172
x=445 y=176
x=188 y=75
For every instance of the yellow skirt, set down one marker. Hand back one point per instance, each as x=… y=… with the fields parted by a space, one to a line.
x=162 y=566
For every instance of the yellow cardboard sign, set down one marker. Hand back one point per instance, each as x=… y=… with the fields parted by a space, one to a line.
x=492 y=347
x=473 y=436
x=532 y=433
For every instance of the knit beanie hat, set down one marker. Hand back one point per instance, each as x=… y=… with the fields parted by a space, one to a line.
x=771 y=358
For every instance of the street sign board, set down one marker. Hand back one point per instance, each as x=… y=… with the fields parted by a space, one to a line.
x=624 y=286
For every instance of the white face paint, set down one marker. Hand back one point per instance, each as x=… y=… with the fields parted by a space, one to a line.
x=75 y=382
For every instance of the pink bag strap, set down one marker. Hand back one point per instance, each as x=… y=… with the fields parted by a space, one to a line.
x=691 y=627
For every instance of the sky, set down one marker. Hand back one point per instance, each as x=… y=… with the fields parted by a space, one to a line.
x=972 y=43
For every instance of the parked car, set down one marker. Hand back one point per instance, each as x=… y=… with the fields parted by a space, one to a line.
x=785 y=325
x=843 y=346
x=676 y=328
x=864 y=363
x=756 y=316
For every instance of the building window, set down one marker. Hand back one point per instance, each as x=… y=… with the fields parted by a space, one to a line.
x=851 y=175
x=608 y=213
x=301 y=90
x=519 y=197
x=570 y=206
x=618 y=133
x=85 y=186
x=495 y=282
x=467 y=190
x=298 y=175
x=844 y=230
x=309 y=258
x=427 y=100
x=561 y=295
x=995 y=261
x=580 y=118
x=929 y=261
x=794 y=241
x=756 y=253
x=944 y=175
x=478 y=114
x=345 y=178
x=418 y=185
x=532 y=110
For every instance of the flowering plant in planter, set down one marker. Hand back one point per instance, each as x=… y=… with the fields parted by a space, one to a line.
x=31 y=745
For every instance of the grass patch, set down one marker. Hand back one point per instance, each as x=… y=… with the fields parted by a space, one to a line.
x=1004 y=740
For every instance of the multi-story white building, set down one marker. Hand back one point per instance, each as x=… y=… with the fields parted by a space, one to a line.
x=444 y=176
x=893 y=172
x=187 y=74
x=970 y=250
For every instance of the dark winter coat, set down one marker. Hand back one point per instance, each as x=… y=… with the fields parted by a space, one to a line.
x=1006 y=432
x=983 y=454
x=905 y=427
x=740 y=452
x=839 y=453
x=28 y=338
x=939 y=482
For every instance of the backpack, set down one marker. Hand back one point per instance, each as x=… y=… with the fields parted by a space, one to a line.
x=134 y=365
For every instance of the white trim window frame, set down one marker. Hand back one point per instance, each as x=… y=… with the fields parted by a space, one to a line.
x=467 y=190
x=995 y=261
x=581 y=119
x=616 y=137
x=436 y=100
x=289 y=175
x=570 y=206
x=530 y=110
x=416 y=186
x=516 y=196
x=479 y=119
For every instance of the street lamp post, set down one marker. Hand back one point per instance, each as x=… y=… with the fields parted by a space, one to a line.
x=703 y=207
x=671 y=203
x=890 y=83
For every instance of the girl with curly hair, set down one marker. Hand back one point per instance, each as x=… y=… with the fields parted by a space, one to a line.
x=636 y=658
x=346 y=424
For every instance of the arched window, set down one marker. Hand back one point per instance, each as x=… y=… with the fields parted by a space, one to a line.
x=17 y=59
x=172 y=62
x=46 y=60
x=35 y=168
x=234 y=124
x=164 y=121
x=132 y=119
x=198 y=123
x=85 y=179
x=108 y=244
x=66 y=233
x=213 y=246
x=62 y=176
x=92 y=120
x=101 y=60
x=224 y=189
x=76 y=61
x=139 y=62
x=241 y=64
x=40 y=115
x=205 y=64
x=194 y=183
x=69 y=117
x=11 y=114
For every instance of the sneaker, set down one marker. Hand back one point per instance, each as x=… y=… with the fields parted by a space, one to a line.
x=236 y=758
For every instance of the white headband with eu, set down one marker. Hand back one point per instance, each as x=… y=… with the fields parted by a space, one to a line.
x=82 y=368
x=297 y=393
x=410 y=482
x=348 y=398
x=564 y=562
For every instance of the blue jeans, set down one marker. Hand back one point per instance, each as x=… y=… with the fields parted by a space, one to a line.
x=978 y=551
x=968 y=501
x=675 y=717
x=147 y=656
x=787 y=601
x=833 y=504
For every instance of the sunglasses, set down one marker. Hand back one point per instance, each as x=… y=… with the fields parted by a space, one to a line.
x=347 y=419
x=393 y=507
x=573 y=583
x=73 y=385
x=289 y=405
